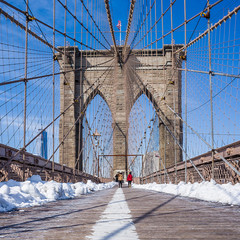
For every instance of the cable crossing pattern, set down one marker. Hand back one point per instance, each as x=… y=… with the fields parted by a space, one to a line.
x=163 y=103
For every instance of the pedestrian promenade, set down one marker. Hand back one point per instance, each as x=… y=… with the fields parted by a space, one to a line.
x=123 y=214
x=163 y=216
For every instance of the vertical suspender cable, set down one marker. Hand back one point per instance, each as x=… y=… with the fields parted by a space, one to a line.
x=146 y=28
x=25 y=91
x=210 y=83
x=53 y=83
x=80 y=155
x=74 y=57
x=185 y=83
x=174 y=93
x=162 y=27
x=64 y=64
x=165 y=139
x=156 y=34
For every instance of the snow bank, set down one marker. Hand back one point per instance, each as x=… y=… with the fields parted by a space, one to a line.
x=35 y=192
x=207 y=191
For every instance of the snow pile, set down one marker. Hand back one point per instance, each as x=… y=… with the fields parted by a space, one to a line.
x=35 y=192
x=207 y=191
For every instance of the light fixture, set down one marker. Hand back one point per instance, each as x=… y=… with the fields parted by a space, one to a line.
x=96 y=134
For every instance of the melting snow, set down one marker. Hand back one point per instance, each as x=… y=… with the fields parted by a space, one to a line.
x=208 y=191
x=35 y=192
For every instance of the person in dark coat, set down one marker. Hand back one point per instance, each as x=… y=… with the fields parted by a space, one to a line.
x=129 y=179
x=116 y=177
x=120 y=180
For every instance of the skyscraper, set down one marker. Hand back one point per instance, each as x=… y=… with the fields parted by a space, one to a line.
x=43 y=146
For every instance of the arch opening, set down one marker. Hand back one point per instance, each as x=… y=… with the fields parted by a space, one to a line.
x=143 y=138
x=97 y=138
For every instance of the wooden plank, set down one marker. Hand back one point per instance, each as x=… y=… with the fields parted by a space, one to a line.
x=164 y=216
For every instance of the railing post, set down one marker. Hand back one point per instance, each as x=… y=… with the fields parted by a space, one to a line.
x=142 y=169
x=98 y=166
x=165 y=139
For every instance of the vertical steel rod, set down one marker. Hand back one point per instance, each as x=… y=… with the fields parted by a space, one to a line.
x=64 y=64
x=159 y=151
x=185 y=82
x=74 y=62
x=210 y=83
x=159 y=166
x=81 y=90
x=146 y=25
x=98 y=166
x=53 y=83
x=165 y=137
x=156 y=26
x=162 y=27
x=25 y=92
x=81 y=154
x=77 y=160
x=142 y=168
x=174 y=96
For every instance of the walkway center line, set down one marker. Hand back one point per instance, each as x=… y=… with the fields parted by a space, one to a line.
x=116 y=221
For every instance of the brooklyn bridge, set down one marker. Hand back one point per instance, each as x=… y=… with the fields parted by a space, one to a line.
x=93 y=88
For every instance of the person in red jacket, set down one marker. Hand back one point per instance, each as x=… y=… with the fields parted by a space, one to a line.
x=129 y=179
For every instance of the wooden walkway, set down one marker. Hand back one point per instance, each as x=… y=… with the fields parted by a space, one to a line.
x=163 y=216
x=155 y=216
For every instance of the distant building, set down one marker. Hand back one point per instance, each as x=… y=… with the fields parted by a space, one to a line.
x=151 y=163
x=42 y=144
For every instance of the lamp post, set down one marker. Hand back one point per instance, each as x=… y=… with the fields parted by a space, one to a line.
x=96 y=136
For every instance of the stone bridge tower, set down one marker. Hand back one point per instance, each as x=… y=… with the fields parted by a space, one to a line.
x=119 y=81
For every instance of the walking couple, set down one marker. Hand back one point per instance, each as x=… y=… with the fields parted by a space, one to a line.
x=120 y=179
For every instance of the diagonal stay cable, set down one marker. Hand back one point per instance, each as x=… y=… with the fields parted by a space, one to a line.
x=46 y=25
x=90 y=127
x=45 y=41
x=78 y=118
x=55 y=119
x=228 y=16
x=130 y=17
x=48 y=75
x=162 y=15
x=33 y=34
x=214 y=150
x=65 y=7
x=196 y=24
x=110 y=25
x=182 y=24
x=168 y=129
x=167 y=85
x=12 y=19
x=137 y=32
x=214 y=95
x=95 y=23
x=17 y=104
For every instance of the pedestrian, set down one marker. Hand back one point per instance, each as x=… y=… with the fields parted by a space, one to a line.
x=120 y=180
x=116 y=177
x=129 y=179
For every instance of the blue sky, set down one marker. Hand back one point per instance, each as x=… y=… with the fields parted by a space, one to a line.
x=225 y=42
x=120 y=11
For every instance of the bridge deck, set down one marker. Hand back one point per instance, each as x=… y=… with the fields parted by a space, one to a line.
x=155 y=216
